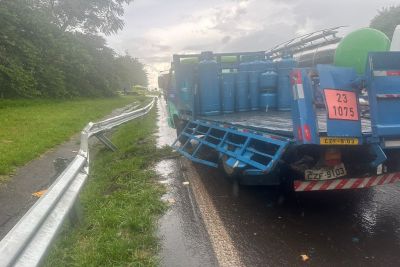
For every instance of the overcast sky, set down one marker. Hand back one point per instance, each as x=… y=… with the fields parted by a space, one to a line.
x=156 y=29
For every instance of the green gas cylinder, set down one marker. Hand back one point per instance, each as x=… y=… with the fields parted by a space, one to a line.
x=353 y=50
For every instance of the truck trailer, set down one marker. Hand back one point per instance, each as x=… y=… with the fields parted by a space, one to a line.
x=266 y=121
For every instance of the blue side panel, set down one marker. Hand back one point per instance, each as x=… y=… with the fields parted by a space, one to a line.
x=340 y=79
x=243 y=148
x=383 y=76
x=305 y=127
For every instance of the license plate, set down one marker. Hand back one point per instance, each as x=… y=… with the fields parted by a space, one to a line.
x=325 y=173
x=338 y=141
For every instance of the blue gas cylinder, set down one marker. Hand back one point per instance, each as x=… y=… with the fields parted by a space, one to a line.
x=255 y=68
x=268 y=80
x=268 y=100
x=242 y=88
x=185 y=81
x=254 y=90
x=209 y=90
x=284 y=67
x=271 y=65
x=228 y=92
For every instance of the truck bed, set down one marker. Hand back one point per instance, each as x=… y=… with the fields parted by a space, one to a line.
x=279 y=122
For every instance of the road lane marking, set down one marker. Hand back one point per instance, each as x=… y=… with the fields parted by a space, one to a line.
x=225 y=252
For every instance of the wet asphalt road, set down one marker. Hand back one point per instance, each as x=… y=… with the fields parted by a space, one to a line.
x=268 y=227
x=183 y=235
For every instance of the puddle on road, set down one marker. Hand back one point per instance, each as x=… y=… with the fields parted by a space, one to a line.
x=165 y=169
x=166 y=135
x=184 y=240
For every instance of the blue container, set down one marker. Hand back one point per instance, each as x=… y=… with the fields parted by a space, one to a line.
x=284 y=67
x=209 y=90
x=268 y=100
x=228 y=92
x=242 y=88
x=242 y=92
x=185 y=81
x=254 y=90
x=255 y=69
x=268 y=80
x=271 y=65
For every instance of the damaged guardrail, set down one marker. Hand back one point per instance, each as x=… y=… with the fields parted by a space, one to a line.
x=29 y=240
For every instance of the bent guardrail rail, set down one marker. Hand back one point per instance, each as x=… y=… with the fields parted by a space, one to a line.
x=29 y=240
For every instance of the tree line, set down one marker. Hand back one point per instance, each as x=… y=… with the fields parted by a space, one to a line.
x=52 y=49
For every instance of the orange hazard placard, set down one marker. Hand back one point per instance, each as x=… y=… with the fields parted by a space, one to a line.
x=341 y=105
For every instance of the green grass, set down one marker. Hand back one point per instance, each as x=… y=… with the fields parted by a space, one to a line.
x=30 y=127
x=121 y=204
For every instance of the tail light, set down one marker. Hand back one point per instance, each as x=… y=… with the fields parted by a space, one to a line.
x=332 y=157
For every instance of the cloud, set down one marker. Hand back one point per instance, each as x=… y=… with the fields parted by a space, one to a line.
x=157 y=29
x=226 y=39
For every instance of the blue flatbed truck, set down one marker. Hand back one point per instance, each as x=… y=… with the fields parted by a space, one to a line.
x=320 y=139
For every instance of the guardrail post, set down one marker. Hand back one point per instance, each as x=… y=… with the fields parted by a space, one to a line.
x=107 y=142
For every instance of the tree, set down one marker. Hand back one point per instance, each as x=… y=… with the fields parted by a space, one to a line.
x=130 y=72
x=88 y=16
x=387 y=20
x=38 y=59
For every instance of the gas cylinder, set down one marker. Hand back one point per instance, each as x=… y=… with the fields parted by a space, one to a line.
x=255 y=68
x=228 y=91
x=268 y=100
x=209 y=90
x=268 y=80
x=284 y=67
x=185 y=82
x=242 y=88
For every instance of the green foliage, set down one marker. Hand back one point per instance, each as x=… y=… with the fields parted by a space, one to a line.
x=387 y=20
x=38 y=59
x=89 y=16
x=30 y=127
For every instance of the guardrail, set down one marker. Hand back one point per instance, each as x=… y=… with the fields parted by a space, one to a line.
x=29 y=240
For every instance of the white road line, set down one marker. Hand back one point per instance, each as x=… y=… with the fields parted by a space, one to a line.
x=225 y=252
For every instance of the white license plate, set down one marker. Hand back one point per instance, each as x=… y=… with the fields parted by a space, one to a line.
x=325 y=173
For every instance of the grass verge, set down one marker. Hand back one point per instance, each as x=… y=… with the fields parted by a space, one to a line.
x=121 y=204
x=30 y=127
